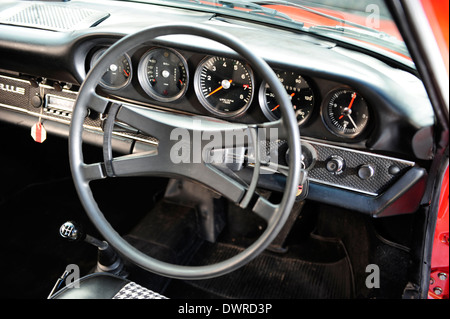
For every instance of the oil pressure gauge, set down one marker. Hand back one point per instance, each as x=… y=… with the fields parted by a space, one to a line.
x=346 y=113
x=163 y=74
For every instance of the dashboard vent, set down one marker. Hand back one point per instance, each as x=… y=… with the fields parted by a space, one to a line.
x=52 y=17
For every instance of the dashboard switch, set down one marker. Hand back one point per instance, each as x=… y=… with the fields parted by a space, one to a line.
x=394 y=170
x=335 y=164
x=366 y=171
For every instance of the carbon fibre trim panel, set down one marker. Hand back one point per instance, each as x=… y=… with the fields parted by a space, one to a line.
x=386 y=170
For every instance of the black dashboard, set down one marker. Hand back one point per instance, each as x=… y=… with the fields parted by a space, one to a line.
x=365 y=122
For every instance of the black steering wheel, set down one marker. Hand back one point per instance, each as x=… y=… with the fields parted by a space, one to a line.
x=159 y=124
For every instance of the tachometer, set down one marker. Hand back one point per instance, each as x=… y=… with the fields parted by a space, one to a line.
x=118 y=74
x=346 y=113
x=163 y=74
x=224 y=86
x=301 y=94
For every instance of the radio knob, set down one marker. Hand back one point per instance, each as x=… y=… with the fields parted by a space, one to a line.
x=335 y=164
x=36 y=101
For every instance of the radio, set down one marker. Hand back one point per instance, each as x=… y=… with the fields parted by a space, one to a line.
x=57 y=105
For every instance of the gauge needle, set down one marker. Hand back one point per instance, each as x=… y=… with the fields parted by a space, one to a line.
x=275 y=108
x=353 y=100
x=292 y=95
x=350 y=107
x=219 y=88
x=126 y=73
x=351 y=120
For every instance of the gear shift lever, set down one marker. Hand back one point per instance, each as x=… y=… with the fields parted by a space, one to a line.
x=108 y=260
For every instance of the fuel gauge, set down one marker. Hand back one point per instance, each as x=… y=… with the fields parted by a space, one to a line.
x=118 y=74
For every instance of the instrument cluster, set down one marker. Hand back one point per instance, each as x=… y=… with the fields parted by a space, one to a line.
x=227 y=88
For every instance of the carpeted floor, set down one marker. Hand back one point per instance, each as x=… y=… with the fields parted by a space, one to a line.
x=271 y=276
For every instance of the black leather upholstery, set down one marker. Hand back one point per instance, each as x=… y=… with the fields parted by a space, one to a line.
x=94 y=286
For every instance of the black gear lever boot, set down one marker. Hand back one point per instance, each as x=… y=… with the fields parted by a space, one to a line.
x=108 y=260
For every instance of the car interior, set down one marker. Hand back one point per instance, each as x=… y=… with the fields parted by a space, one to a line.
x=115 y=118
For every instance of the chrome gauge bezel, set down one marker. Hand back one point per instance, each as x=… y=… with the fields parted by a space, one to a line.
x=263 y=102
x=97 y=54
x=206 y=104
x=144 y=80
x=266 y=109
x=328 y=119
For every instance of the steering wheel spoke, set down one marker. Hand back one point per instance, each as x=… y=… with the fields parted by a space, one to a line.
x=264 y=208
x=142 y=164
x=153 y=164
x=98 y=103
x=93 y=172
x=199 y=130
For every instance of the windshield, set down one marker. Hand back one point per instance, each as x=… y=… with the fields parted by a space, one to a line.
x=365 y=23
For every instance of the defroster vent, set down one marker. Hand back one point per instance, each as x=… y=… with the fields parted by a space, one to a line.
x=51 y=16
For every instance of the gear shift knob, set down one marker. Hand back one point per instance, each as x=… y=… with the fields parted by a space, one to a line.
x=108 y=260
x=74 y=232
x=71 y=231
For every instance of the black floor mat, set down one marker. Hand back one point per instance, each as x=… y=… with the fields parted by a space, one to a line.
x=168 y=234
x=313 y=266
x=273 y=276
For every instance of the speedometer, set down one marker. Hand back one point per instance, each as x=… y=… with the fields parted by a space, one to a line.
x=299 y=91
x=224 y=86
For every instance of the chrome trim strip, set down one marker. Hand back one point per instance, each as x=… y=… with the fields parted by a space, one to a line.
x=14 y=79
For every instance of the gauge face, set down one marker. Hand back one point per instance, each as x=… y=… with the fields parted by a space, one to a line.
x=224 y=86
x=118 y=74
x=163 y=74
x=346 y=113
x=301 y=94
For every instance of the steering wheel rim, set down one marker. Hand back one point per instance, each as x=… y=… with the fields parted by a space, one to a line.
x=81 y=171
